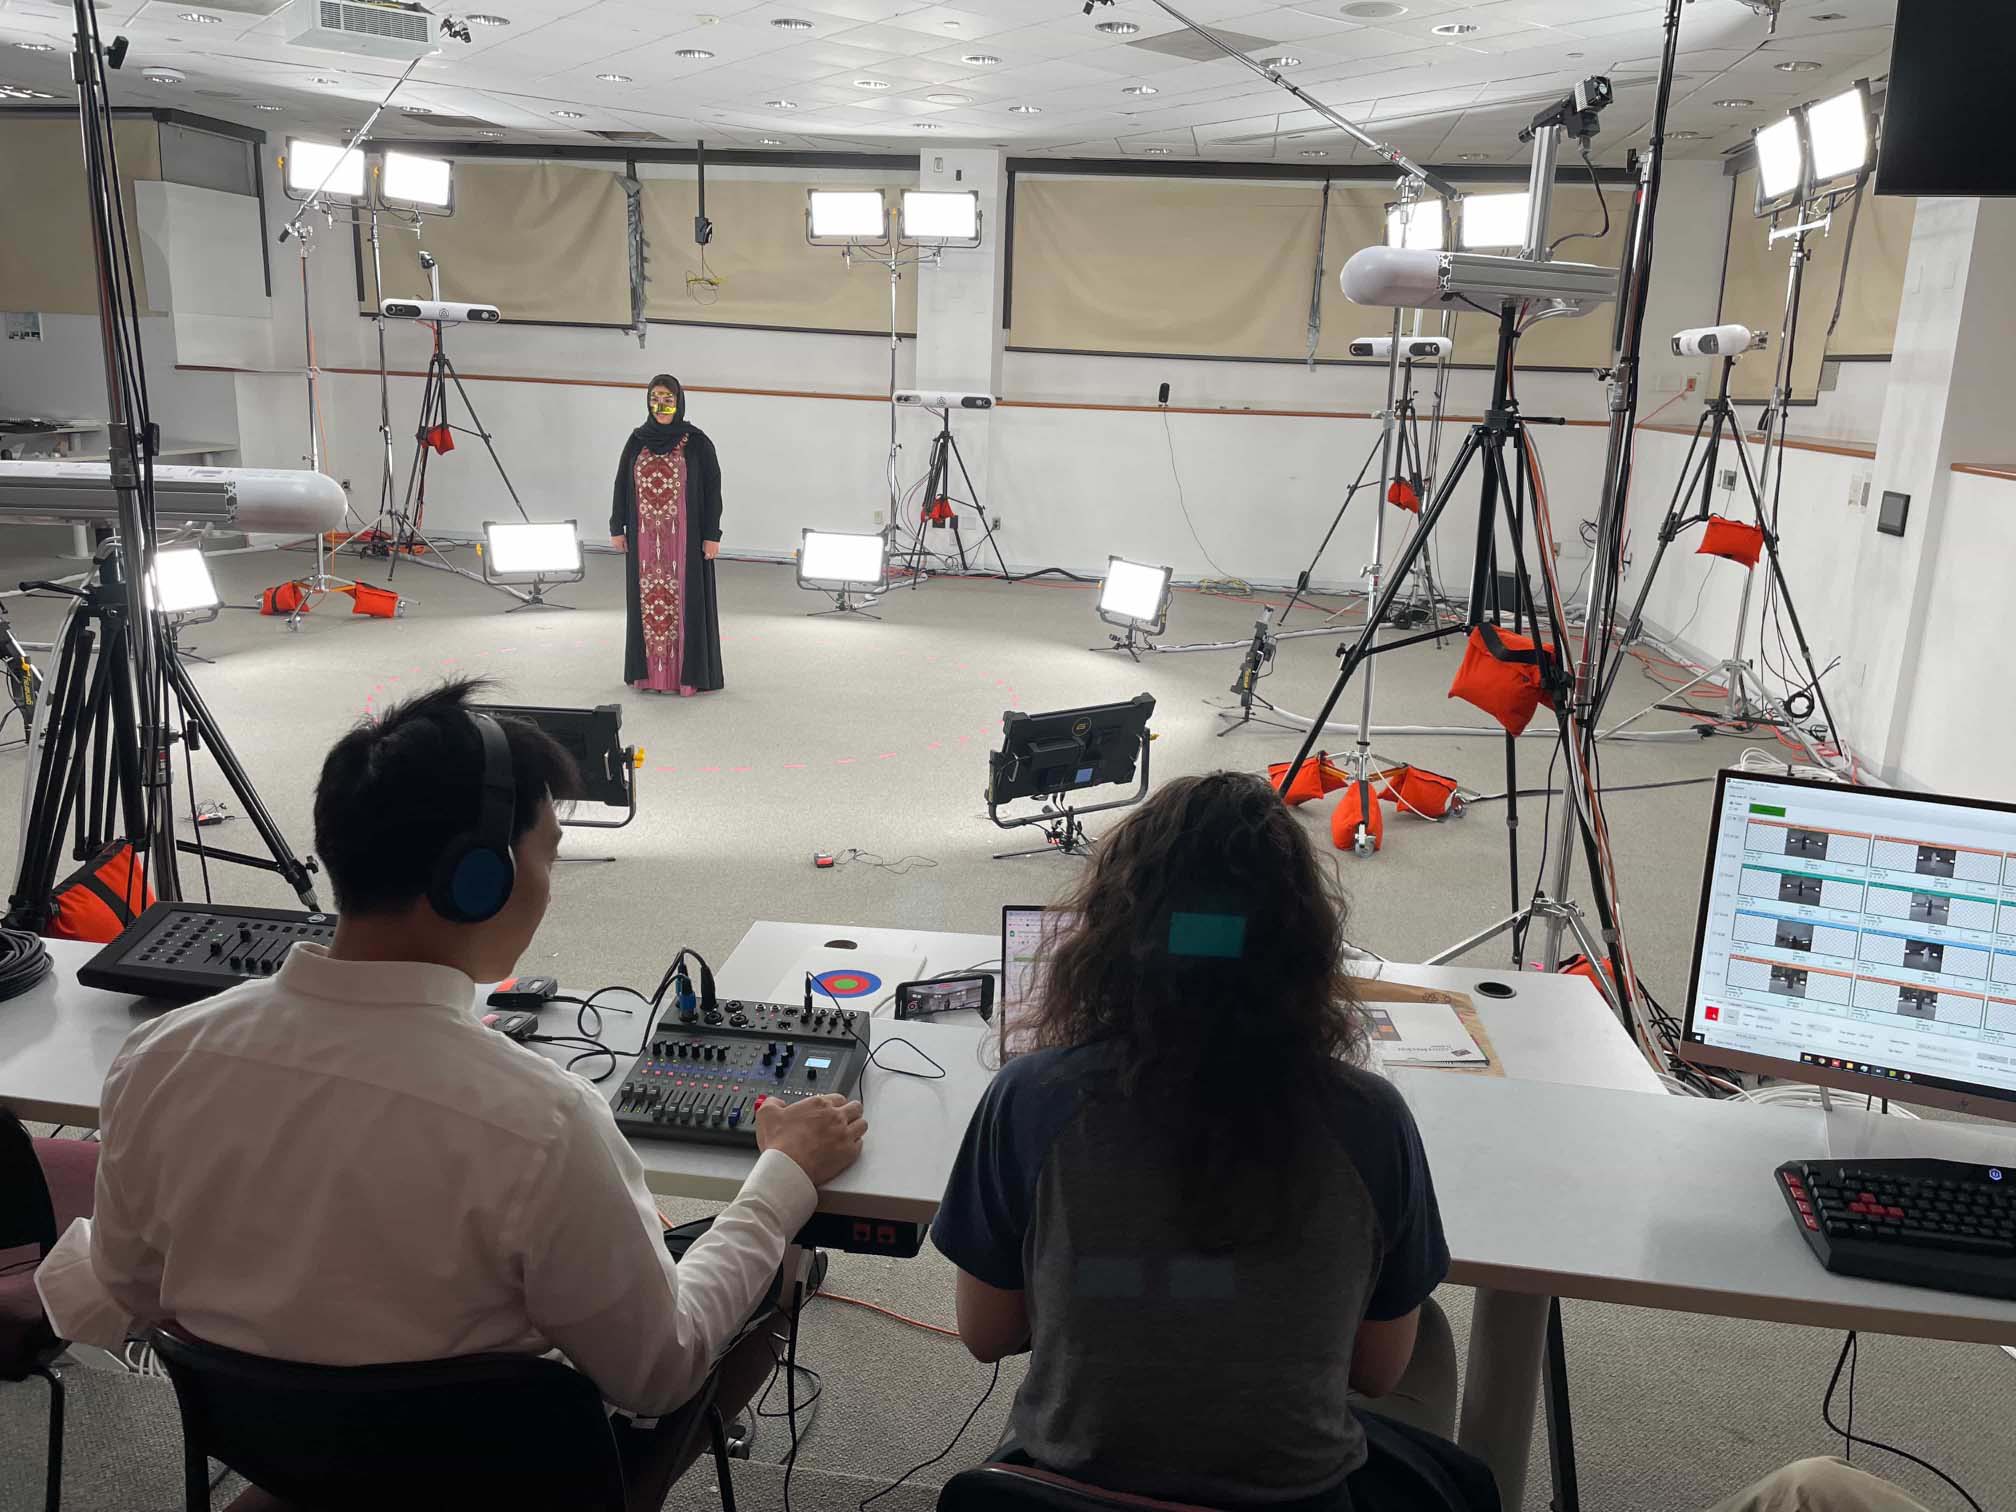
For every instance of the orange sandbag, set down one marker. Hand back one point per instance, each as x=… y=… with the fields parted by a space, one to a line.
x=1502 y=675
x=1732 y=539
x=1319 y=777
x=1345 y=818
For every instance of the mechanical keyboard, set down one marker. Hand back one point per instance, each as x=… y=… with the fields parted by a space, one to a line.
x=1937 y=1223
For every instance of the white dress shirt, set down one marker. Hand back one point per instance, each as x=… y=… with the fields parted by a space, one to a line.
x=342 y=1165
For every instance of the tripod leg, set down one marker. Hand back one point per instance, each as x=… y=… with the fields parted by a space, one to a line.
x=972 y=493
x=197 y=714
x=1379 y=611
x=482 y=431
x=1302 y=582
x=45 y=817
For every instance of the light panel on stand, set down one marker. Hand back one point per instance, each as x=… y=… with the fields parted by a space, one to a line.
x=338 y=172
x=407 y=181
x=1493 y=222
x=838 y=217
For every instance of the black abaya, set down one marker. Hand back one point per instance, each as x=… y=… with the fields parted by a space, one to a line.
x=700 y=621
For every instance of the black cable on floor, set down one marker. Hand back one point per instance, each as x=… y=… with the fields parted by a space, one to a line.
x=1850 y=1438
x=992 y=1382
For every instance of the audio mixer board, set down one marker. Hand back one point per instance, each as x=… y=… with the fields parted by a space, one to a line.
x=700 y=1080
x=184 y=951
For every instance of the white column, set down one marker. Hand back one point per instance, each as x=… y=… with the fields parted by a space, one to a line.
x=959 y=336
x=1953 y=370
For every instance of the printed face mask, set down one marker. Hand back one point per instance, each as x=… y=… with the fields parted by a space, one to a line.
x=665 y=409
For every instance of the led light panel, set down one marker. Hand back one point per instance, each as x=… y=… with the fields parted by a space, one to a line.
x=1781 y=164
x=847 y=215
x=544 y=548
x=1419 y=228
x=310 y=163
x=1839 y=133
x=424 y=183
x=181 y=581
x=1491 y=222
x=842 y=559
x=1134 y=593
x=940 y=218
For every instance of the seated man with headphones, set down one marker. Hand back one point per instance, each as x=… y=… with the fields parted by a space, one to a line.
x=341 y=1165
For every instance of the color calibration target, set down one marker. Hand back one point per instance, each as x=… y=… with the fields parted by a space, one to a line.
x=847 y=984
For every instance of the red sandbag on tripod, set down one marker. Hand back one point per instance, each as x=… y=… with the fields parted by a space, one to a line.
x=1733 y=540
x=1507 y=675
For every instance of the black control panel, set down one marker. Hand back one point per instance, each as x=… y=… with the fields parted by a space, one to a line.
x=185 y=951
x=701 y=1077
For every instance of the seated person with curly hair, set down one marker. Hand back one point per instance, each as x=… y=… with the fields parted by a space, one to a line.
x=1213 y=1231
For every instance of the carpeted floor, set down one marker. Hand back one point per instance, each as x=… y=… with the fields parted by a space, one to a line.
x=843 y=733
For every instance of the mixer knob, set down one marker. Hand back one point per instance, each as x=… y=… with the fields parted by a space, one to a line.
x=811 y=1075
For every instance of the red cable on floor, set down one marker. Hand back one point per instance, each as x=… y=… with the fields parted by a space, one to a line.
x=826 y=1296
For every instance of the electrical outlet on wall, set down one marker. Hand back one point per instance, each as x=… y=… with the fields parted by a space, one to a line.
x=994 y=523
x=1727 y=481
x=876 y=518
x=1858 y=491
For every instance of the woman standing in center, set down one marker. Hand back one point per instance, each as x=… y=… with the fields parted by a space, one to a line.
x=667 y=521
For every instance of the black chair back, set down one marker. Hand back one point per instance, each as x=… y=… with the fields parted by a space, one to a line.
x=1024 y=1488
x=27 y=1216
x=495 y=1431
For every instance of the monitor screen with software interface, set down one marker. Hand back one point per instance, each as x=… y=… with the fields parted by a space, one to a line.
x=1026 y=931
x=1860 y=939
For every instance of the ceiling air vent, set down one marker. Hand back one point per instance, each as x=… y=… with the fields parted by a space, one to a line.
x=404 y=32
x=1187 y=44
x=633 y=138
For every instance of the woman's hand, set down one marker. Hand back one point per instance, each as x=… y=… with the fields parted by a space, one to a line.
x=619 y=543
x=710 y=549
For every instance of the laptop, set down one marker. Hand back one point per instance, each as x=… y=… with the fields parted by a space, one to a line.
x=1026 y=931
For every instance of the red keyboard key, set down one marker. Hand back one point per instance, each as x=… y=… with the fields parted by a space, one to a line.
x=1811 y=1222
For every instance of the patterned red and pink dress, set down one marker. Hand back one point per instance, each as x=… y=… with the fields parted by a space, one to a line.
x=668 y=505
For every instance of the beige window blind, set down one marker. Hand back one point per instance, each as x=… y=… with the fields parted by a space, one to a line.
x=1204 y=267
x=541 y=241
x=769 y=275
x=46 y=259
x=1754 y=287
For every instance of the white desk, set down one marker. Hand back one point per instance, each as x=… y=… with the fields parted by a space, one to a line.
x=1546 y=1176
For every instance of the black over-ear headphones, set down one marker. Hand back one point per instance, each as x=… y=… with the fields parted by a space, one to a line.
x=473 y=878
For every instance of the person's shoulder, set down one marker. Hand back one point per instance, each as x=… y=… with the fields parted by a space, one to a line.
x=1370 y=1115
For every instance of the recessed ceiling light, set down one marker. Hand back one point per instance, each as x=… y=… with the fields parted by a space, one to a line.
x=949 y=25
x=695 y=54
x=275 y=109
x=323 y=79
x=36 y=46
x=980 y=60
x=927 y=126
x=1684 y=136
x=1117 y=28
x=949 y=99
x=198 y=17
x=771 y=142
x=1284 y=61
x=16 y=92
x=484 y=18
x=416 y=110
x=1798 y=65
x=792 y=23
x=1473 y=157
x=492 y=135
x=1455 y=28
x=1375 y=10
x=1025 y=110
x=613 y=78
x=1140 y=89
x=782 y=104
x=871 y=83
x=568 y=115
x=1831 y=16
x=1314 y=152
x=1734 y=104
x=163 y=75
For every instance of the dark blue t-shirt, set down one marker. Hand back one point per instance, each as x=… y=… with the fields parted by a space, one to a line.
x=1158 y=1368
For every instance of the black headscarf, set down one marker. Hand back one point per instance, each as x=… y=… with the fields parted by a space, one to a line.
x=657 y=436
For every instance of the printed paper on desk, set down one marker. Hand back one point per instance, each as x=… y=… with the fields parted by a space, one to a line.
x=1421 y=1034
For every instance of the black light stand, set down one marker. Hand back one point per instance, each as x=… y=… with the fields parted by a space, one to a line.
x=90 y=771
x=1512 y=492
x=1748 y=702
x=409 y=537
x=1257 y=663
x=938 y=490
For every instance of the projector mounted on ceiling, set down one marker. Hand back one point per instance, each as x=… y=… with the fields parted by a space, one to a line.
x=404 y=32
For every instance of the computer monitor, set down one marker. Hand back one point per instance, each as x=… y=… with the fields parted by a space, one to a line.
x=1859 y=939
x=1027 y=930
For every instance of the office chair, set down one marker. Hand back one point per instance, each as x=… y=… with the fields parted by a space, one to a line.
x=500 y=1431
x=47 y=1182
x=1026 y=1488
